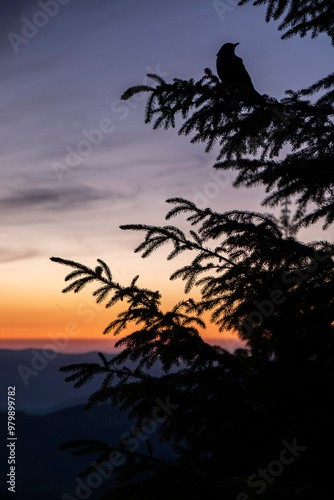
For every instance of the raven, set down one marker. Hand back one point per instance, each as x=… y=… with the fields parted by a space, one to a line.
x=232 y=72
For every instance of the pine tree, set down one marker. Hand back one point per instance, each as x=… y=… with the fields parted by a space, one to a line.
x=231 y=417
x=301 y=17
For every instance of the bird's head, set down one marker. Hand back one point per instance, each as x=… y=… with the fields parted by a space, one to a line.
x=227 y=49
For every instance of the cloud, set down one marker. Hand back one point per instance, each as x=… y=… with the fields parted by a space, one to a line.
x=9 y=255
x=63 y=198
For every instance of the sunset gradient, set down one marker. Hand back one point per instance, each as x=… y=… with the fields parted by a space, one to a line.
x=59 y=197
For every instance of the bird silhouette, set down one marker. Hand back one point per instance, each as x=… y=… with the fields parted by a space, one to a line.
x=232 y=72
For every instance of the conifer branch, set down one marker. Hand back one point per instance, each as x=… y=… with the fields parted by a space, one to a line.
x=300 y=18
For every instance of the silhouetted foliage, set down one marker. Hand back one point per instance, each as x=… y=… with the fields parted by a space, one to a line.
x=302 y=17
x=244 y=131
x=229 y=417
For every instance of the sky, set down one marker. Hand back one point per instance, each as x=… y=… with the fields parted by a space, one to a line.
x=64 y=66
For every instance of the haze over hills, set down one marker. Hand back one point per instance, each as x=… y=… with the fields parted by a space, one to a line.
x=40 y=386
x=49 y=412
x=43 y=471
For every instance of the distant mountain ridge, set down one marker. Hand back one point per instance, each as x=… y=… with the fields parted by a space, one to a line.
x=50 y=411
x=45 y=472
x=40 y=386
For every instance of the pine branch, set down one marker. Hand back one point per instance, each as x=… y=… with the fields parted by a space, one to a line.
x=300 y=18
x=157 y=236
x=213 y=116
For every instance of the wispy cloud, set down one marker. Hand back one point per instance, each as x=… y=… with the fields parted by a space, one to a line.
x=10 y=255
x=48 y=199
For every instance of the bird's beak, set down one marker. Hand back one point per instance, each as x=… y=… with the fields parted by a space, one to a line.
x=235 y=44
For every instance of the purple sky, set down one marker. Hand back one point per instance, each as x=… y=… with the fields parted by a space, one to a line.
x=67 y=78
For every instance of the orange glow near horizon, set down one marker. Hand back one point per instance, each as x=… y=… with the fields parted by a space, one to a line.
x=41 y=314
x=78 y=328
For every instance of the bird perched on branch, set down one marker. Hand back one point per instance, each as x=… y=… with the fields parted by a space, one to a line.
x=232 y=72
